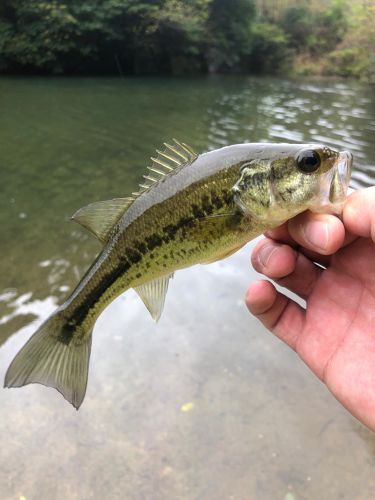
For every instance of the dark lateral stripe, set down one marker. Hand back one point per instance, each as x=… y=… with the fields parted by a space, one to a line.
x=81 y=312
x=134 y=254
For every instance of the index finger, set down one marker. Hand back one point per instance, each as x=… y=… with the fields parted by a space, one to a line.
x=281 y=234
x=359 y=213
x=315 y=234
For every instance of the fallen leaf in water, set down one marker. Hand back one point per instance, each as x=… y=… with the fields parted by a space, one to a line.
x=187 y=407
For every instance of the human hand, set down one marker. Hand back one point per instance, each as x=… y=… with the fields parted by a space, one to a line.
x=335 y=334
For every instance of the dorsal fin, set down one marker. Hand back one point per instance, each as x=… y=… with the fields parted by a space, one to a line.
x=100 y=217
x=171 y=157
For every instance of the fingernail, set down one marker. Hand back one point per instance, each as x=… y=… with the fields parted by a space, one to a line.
x=265 y=254
x=316 y=234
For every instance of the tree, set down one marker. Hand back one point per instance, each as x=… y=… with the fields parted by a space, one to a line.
x=229 y=28
x=270 y=48
x=174 y=37
x=34 y=33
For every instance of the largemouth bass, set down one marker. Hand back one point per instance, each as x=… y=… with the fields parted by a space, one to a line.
x=191 y=209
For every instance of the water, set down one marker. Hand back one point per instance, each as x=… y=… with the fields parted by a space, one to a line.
x=259 y=426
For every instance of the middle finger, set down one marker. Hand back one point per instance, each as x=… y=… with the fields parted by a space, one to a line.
x=289 y=268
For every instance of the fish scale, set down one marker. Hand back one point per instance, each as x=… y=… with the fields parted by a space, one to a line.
x=194 y=209
x=166 y=232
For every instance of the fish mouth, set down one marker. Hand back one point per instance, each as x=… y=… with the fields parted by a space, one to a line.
x=341 y=178
x=344 y=168
x=332 y=190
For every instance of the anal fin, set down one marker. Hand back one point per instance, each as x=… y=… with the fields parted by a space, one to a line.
x=153 y=295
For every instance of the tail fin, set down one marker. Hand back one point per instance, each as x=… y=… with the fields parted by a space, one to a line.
x=53 y=359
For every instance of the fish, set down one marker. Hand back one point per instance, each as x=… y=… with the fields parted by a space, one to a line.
x=191 y=209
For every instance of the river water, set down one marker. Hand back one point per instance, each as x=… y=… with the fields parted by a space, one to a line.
x=206 y=404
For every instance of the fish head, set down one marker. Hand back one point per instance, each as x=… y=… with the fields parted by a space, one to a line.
x=280 y=184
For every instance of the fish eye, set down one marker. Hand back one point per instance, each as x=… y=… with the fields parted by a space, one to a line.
x=308 y=161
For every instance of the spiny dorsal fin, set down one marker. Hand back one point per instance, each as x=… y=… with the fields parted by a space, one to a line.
x=100 y=217
x=153 y=295
x=171 y=157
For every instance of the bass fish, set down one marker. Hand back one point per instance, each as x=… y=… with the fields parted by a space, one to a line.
x=191 y=209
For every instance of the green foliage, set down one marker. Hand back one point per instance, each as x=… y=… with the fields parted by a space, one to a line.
x=229 y=33
x=270 y=48
x=354 y=56
x=329 y=28
x=350 y=62
x=174 y=36
x=184 y=36
x=314 y=31
x=296 y=23
x=55 y=35
x=41 y=31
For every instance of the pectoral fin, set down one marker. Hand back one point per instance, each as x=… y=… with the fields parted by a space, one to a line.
x=100 y=217
x=153 y=295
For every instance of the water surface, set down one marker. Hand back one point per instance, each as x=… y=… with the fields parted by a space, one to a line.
x=206 y=404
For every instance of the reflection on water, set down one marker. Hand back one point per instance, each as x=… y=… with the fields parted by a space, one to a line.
x=258 y=424
x=275 y=111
